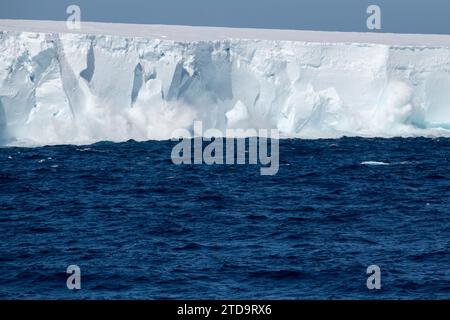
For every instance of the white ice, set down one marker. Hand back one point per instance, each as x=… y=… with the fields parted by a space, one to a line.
x=118 y=82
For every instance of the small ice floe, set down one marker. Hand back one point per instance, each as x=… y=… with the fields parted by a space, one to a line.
x=54 y=166
x=9 y=157
x=374 y=163
x=41 y=161
x=83 y=149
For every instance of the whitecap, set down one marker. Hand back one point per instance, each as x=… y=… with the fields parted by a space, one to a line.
x=374 y=163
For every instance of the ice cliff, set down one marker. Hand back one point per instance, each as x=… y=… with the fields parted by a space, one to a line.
x=61 y=87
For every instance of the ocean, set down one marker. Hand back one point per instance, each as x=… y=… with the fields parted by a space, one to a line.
x=140 y=227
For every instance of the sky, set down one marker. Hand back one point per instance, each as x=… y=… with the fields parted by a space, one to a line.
x=400 y=16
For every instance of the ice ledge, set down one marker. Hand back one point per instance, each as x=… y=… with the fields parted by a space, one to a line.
x=58 y=87
x=191 y=33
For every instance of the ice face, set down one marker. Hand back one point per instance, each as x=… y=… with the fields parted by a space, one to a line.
x=77 y=88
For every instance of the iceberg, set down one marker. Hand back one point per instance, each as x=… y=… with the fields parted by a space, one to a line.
x=118 y=82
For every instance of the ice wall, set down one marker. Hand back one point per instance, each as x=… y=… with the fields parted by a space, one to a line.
x=76 y=88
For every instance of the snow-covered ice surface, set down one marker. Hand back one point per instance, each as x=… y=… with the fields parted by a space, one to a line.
x=119 y=82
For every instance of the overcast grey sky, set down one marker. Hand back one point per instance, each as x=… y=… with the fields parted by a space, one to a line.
x=406 y=16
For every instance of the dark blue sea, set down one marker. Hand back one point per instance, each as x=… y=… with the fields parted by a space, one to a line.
x=140 y=227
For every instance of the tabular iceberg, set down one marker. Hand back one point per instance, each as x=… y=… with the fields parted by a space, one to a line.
x=61 y=87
